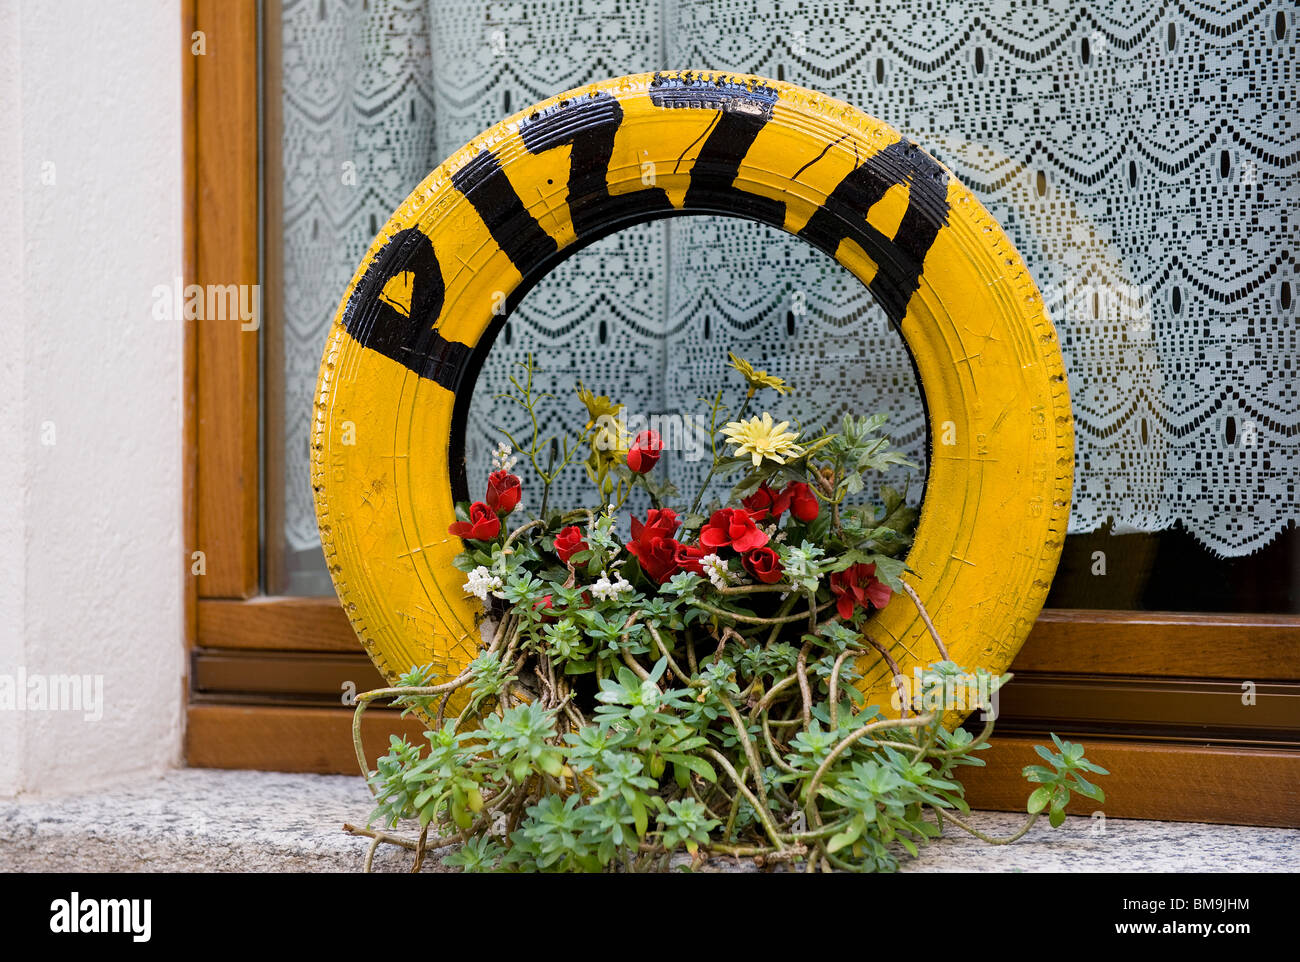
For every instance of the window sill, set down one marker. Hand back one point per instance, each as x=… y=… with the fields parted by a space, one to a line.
x=241 y=821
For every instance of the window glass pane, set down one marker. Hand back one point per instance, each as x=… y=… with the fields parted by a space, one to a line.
x=357 y=111
x=1141 y=158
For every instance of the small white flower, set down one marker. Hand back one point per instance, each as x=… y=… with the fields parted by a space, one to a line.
x=480 y=581
x=607 y=590
x=502 y=459
x=716 y=569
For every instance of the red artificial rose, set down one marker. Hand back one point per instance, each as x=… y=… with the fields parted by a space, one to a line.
x=803 y=503
x=483 y=524
x=766 y=503
x=645 y=451
x=732 y=528
x=687 y=558
x=764 y=565
x=658 y=557
x=653 y=544
x=503 y=492
x=569 y=542
x=858 y=585
x=659 y=523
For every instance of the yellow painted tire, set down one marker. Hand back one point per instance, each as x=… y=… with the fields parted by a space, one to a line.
x=422 y=309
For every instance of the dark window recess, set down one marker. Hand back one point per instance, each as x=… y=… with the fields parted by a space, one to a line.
x=1172 y=571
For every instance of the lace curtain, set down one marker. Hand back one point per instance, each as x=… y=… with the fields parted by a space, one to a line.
x=1142 y=158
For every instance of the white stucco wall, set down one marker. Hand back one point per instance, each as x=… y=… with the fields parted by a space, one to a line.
x=14 y=455
x=90 y=525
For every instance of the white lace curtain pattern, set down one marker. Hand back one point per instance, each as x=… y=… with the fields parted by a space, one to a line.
x=1143 y=158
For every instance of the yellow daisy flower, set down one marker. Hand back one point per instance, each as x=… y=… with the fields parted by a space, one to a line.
x=609 y=446
x=757 y=379
x=598 y=406
x=760 y=438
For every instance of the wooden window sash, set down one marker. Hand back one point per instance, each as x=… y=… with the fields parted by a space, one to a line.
x=1153 y=643
x=222 y=137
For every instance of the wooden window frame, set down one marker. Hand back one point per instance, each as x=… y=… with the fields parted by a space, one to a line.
x=1155 y=695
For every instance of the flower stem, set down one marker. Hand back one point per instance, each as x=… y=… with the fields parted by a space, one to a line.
x=547 y=478
x=713 y=433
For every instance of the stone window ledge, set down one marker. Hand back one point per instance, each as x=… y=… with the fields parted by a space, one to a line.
x=208 y=820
